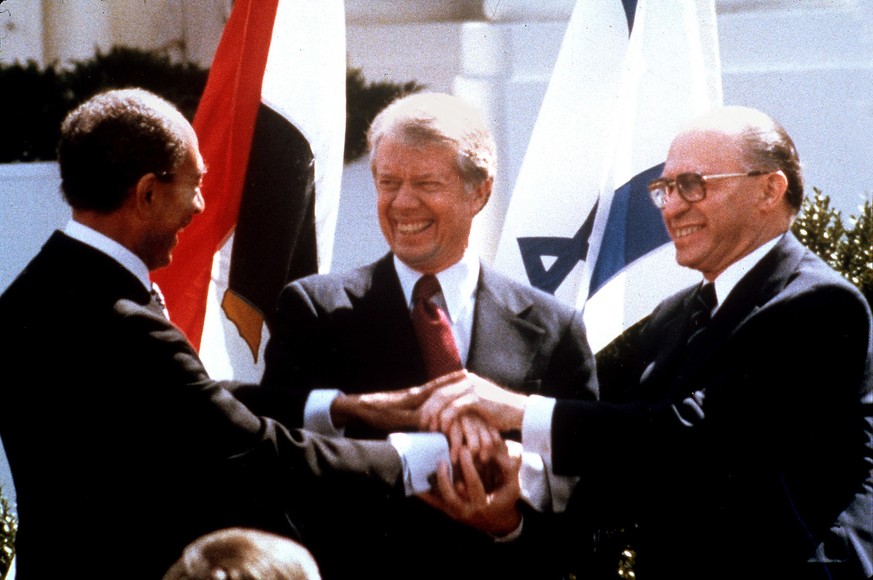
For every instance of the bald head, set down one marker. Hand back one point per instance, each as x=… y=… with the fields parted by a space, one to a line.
x=731 y=183
x=762 y=143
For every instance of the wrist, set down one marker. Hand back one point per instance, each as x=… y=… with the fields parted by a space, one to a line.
x=515 y=412
x=506 y=526
x=342 y=409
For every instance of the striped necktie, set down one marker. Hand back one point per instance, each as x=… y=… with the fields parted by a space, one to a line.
x=701 y=310
x=438 y=348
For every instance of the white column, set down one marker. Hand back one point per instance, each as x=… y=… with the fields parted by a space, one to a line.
x=75 y=29
x=21 y=32
x=506 y=61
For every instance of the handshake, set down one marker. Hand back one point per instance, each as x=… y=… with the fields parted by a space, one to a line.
x=472 y=413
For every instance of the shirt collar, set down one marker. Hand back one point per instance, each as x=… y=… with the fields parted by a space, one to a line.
x=111 y=248
x=458 y=282
x=732 y=275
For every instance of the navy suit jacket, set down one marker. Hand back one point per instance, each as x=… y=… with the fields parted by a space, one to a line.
x=353 y=331
x=122 y=448
x=766 y=471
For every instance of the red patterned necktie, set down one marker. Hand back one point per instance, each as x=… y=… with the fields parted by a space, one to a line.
x=432 y=329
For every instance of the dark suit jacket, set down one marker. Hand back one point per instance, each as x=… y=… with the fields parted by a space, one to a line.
x=774 y=469
x=122 y=448
x=353 y=331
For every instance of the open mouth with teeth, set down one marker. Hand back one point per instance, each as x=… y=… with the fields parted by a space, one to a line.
x=411 y=228
x=686 y=231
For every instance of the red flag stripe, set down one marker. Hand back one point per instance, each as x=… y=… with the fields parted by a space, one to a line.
x=224 y=123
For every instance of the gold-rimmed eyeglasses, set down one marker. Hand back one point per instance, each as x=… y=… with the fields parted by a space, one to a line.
x=690 y=186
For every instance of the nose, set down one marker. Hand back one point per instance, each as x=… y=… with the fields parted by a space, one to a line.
x=405 y=196
x=674 y=205
x=199 y=202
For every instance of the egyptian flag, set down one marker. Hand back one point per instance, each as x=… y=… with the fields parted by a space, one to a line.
x=271 y=127
x=629 y=75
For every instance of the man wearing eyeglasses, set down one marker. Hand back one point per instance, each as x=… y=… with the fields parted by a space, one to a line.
x=734 y=435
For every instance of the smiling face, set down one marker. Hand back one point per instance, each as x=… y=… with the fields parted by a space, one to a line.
x=425 y=211
x=176 y=202
x=733 y=219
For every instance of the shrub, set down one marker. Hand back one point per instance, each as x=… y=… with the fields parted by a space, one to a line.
x=8 y=527
x=848 y=251
x=40 y=98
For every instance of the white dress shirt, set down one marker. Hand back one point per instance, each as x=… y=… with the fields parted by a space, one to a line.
x=539 y=486
x=130 y=261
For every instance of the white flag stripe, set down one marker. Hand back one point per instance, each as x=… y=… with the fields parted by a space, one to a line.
x=305 y=82
x=624 y=300
x=671 y=75
x=561 y=173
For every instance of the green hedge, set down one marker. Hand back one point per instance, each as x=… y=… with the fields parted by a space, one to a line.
x=36 y=99
x=848 y=250
x=8 y=527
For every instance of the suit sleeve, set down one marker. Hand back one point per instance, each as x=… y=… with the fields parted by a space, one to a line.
x=202 y=418
x=571 y=372
x=791 y=383
x=296 y=344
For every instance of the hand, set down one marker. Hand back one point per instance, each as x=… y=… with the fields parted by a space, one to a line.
x=386 y=410
x=492 y=509
x=472 y=432
x=471 y=394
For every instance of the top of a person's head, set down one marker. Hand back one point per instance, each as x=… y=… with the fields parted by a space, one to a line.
x=244 y=554
x=113 y=139
x=764 y=143
x=427 y=118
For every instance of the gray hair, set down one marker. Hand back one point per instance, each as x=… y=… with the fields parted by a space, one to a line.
x=426 y=118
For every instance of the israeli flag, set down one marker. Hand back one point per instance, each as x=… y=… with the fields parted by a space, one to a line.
x=580 y=224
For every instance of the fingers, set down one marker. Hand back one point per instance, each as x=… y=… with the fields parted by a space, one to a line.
x=431 y=410
x=470 y=429
x=440 y=382
x=480 y=437
x=455 y=435
x=472 y=482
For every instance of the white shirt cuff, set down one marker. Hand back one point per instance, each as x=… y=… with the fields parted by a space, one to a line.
x=421 y=454
x=536 y=426
x=316 y=413
x=540 y=487
x=513 y=535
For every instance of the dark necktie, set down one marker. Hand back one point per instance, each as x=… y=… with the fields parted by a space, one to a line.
x=701 y=310
x=438 y=348
x=158 y=298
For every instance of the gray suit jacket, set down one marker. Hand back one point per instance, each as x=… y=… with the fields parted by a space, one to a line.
x=353 y=331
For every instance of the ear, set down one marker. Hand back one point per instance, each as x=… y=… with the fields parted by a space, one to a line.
x=775 y=187
x=143 y=196
x=482 y=194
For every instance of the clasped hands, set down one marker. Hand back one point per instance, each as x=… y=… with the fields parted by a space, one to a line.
x=472 y=412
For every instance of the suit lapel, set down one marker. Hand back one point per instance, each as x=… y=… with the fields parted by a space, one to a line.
x=760 y=285
x=384 y=328
x=503 y=343
x=667 y=334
